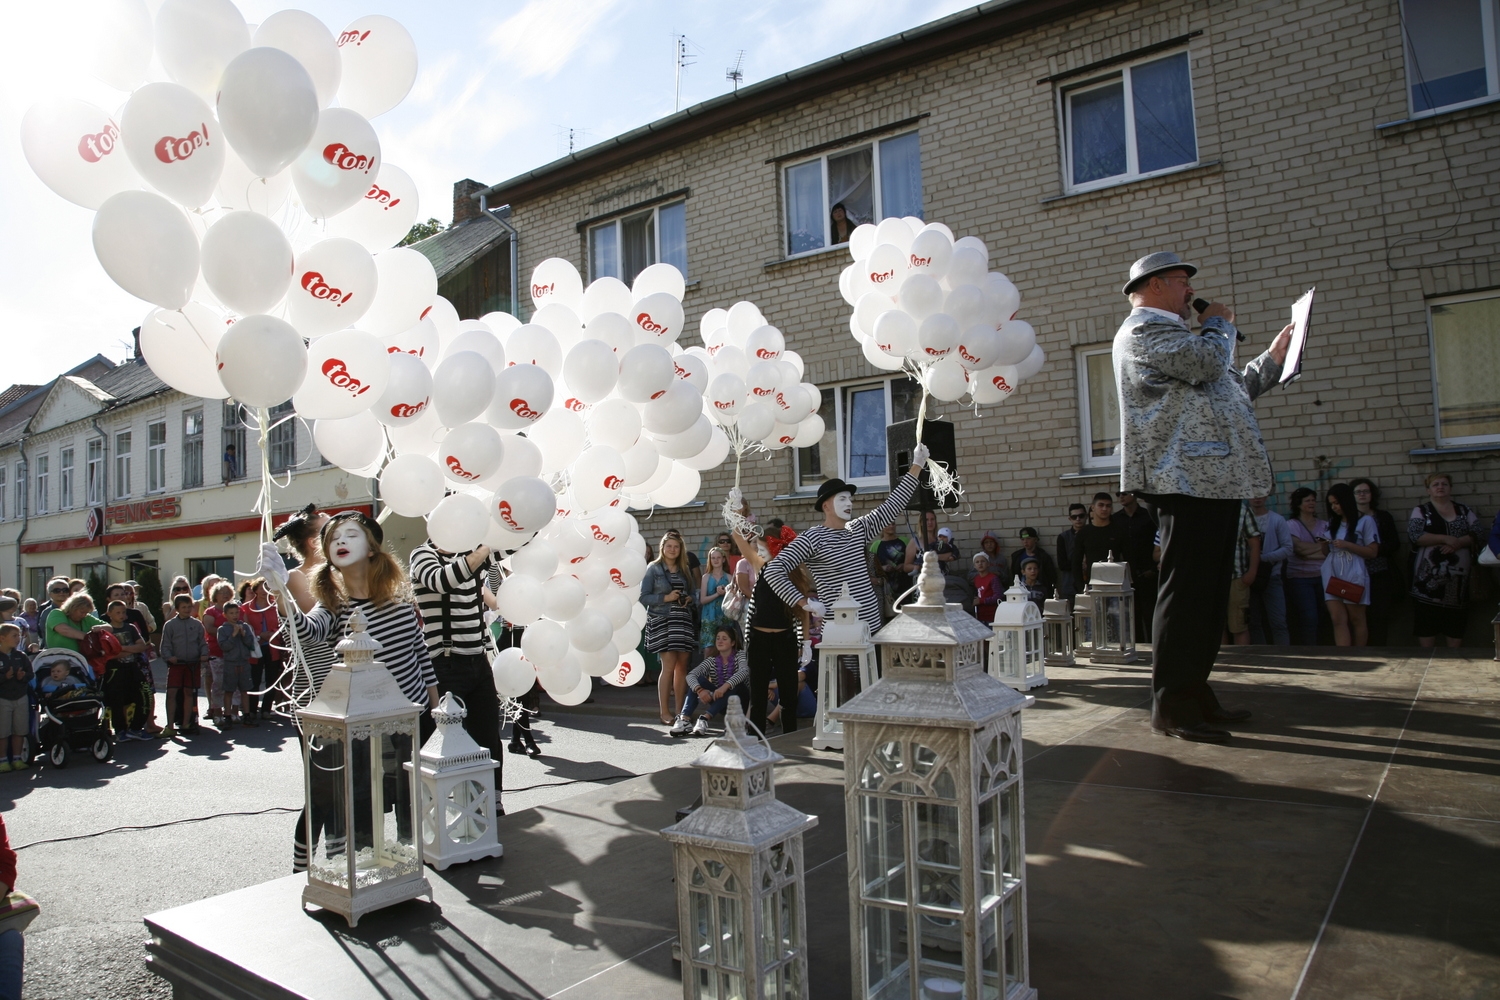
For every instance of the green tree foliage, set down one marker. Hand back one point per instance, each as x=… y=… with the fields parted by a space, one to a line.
x=96 y=584
x=421 y=231
x=151 y=595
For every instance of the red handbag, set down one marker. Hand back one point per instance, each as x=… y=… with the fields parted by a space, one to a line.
x=1354 y=593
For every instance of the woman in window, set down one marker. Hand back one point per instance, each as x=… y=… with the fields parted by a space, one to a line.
x=841 y=226
x=1443 y=532
x=1304 y=568
x=667 y=593
x=1385 y=587
x=1352 y=539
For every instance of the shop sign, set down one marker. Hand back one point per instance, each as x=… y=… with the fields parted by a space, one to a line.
x=142 y=511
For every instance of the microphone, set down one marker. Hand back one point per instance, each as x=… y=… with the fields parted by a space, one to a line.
x=1202 y=304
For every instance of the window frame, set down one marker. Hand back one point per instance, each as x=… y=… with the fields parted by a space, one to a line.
x=841 y=392
x=190 y=442
x=877 y=194
x=4 y=482
x=1106 y=77
x=281 y=441
x=156 y=458
x=94 y=471
x=1087 y=460
x=123 y=460
x=1489 y=25
x=232 y=431
x=1432 y=367
x=618 y=221
x=65 y=478
x=43 y=481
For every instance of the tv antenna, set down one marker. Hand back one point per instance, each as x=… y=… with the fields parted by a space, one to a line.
x=736 y=73
x=569 y=135
x=682 y=59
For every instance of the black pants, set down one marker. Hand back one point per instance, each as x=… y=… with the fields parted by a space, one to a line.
x=122 y=688
x=468 y=676
x=1192 y=603
x=263 y=674
x=1145 y=584
x=772 y=656
x=1384 y=593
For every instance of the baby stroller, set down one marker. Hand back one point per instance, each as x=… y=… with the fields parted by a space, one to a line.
x=70 y=720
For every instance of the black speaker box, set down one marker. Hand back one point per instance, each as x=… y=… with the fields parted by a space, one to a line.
x=901 y=440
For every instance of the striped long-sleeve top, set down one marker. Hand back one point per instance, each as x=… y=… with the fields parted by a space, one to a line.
x=838 y=557
x=394 y=625
x=711 y=672
x=449 y=596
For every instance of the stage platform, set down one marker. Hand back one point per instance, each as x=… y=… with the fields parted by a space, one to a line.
x=1345 y=844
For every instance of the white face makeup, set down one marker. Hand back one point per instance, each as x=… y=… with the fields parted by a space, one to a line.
x=347 y=545
x=843 y=505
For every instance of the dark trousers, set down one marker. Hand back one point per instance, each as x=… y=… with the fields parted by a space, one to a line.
x=122 y=688
x=1192 y=603
x=1383 y=595
x=772 y=656
x=1145 y=602
x=468 y=676
x=263 y=674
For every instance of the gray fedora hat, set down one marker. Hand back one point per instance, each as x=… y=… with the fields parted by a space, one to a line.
x=1156 y=263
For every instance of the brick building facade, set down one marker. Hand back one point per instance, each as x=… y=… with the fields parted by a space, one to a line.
x=1306 y=150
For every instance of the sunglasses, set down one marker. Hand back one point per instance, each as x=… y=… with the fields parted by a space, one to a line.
x=1075 y=517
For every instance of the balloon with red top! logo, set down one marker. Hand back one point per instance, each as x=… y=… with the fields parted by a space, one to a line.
x=335 y=169
x=347 y=372
x=75 y=148
x=384 y=215
x=333 y=285
x=173 y=142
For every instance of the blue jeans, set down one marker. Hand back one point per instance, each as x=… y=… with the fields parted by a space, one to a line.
x=1268 y=614
x=12 y=956
x=1304 y=600
x=719 y=705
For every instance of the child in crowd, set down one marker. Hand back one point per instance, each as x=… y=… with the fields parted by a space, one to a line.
x=986 y=588
x=59 y=683
x=122 y=673
x=236 y=647
x=1031 y=579
x=184 y=646
x=15 y=706
x=712 y=682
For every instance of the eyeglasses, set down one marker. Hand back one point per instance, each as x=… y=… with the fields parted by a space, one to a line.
x=1075 y=517
x=58 y=590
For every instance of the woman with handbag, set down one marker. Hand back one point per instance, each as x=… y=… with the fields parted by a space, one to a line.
x=1352 y=539
x=1443 y=534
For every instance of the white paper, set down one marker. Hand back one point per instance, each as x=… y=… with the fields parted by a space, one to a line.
x=1301 y=314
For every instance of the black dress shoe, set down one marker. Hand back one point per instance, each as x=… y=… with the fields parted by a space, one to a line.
x=1200 y=732
x=1221 y=714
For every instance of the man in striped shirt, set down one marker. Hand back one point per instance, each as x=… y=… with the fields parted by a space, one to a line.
x=836 y=551
x=448 y=588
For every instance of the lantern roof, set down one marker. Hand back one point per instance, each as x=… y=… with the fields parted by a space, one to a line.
x=1022 y=612
x=1111 y=575
x=359 y=688
x=450 y=747
x=845 y=627
x=1015 y=593
x=1056 y=607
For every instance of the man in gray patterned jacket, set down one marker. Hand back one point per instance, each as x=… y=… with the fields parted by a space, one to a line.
x=1190 y=446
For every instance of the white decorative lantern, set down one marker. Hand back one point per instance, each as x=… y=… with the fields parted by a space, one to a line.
x=846 y=666
x=1114 y=612
x=934 y=804
x=458 y=792
x=1016 y=641
x=1083 y=625
x=359 y=732
x=1057 y=632
x=741 y=913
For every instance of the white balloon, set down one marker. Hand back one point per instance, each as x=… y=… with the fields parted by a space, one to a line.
x=347 y=372
x=612 y=328
x=894 y=231
x=726 y=394
x=261 y=360
x=625 y=569
x=713 y=453
x=591 y=370
x=458 y=523
x=121 y=44
x=947 y=380
x=182 y=349
x=968 y=266
x=471 y=453
x=793 y=403
x=1001 y=299
x=309 y=41
x=420 y=340
x=562 y=322
x=580 y=692
x=419 y=436
x=731 y=360
x=239 y=189
x=658 y=318
x=641 y=463
x=522 y=458
x=605 y=295
x=1033 y=363
x=444 y=318
x=938 y=336
x=765 y=343
x=861 y=241
x=564 y=598
x=385 y=214
x=351 y=443
x=631 y=668
x=196 y=39
x=886 y=268
x=974 y=243
x=173 y=141
x=590 y=630
x=338 y=165
x=610 y=528
x=692 y=368
x=599 y=662
x=535 y=345
x=521 y=602
x=679 y=489
x=247 y=262
x=556 y=280
x=614 y=422
x=895 y=333
x=655 y=278
x=931 y=253
x=514 y=675
x=268 y=107
x=334 y=284
x=994 y=385
x=379 y=61
x=560 y=436
x=1017 y=339
x=921 y=296
x=562 y=679
x=462 y=386
x=810 y=431
x=523 y=393
x=573 y=543
x=75 y=149
x=688 y=443
x=405 y=289
x=545 y=644
x=598 y=475
x=757 y=420
x=763 y=379
x=613 y=605
x=879 y=359
x=411 y=485
x=481 y=341
x=781 y=436
x=674 y=411
x=646 y=371
x=407 y=393
x=524 y=504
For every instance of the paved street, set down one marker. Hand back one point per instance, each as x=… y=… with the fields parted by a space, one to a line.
x=220 y=811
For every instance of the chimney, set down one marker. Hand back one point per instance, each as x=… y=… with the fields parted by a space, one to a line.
x=464 y=206
x=137 y=356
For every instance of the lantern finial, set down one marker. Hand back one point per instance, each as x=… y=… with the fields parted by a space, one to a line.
x=358 y=646
x=930 y=583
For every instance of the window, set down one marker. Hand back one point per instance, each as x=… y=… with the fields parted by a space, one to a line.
x=1131 y=123
x=95 y=472
x=282 y=440
x=1098 y=409
x=854 y=421
x=1450 y=52
x=192 y=448
x=122 y=464
x=65 y=479
x=625 y=247
x=156 y=457
x=197 y=569
x=42 y=468
x=869 y=183
x=36 y=581
x=232 y=440
x=2 y=492
x=1466 y=368
x=21 y=502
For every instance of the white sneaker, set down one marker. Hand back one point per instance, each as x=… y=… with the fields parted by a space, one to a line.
x=701 y=728
x=680 y=727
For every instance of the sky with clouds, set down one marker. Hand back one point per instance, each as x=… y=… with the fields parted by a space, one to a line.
x=500 y=84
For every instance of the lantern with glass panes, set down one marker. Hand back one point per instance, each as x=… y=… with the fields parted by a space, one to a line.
x=1057 y=632
x=458 y=792
x=934 y=806
x=1016 y=641
x=1114 y=612
x=846 y=666
x=360 y=736
x=1083 y=625
x=741 y=915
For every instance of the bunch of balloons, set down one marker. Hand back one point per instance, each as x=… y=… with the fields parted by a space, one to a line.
x=928 y=303
x=240 y=188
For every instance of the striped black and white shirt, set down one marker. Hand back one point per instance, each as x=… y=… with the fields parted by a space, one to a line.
x=838 y=557
x=449 y=596
x=394 y=625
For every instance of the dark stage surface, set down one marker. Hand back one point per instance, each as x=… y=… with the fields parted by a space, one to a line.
x=1345 y=844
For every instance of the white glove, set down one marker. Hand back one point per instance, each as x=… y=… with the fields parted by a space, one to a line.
x=806 y=656
x=271 y=565
x=919 y=455
x=816 y=608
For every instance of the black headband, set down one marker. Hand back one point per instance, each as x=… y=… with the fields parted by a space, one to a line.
x=305 y=514
x=369 y=523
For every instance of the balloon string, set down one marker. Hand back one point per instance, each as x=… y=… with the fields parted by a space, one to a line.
x=943 y=483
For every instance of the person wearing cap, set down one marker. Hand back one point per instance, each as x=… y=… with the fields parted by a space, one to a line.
x=1140 y=533
x=1067 y=549
x=931 y=538
x=1031 y=548
x=835 y=551
x=1190 y=445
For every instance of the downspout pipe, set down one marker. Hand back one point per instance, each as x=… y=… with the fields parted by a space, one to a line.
x=103 y=487
x=515 y=251
x=25 y=504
